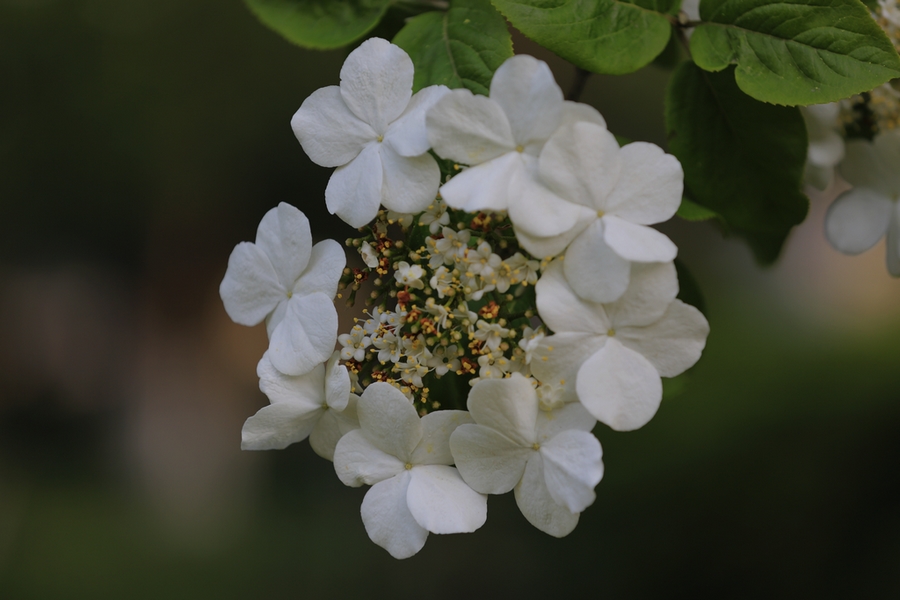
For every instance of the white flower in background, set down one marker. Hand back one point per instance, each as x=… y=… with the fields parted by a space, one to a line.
x=373 y=129
x=451 y=245
x=871 y=210
x=616 y=193
x=289 y=282
x=612 y=355
x=550 y=458
x=406 y=461
x=317 y=405
x=499 y=135
x=826 y=145
x=435 y=216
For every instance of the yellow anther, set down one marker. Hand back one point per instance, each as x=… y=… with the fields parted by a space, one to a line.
x=611 y=332
x=520 y=148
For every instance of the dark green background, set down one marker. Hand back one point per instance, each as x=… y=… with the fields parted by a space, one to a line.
x=139 y=141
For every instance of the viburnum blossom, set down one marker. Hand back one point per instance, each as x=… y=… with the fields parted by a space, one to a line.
x=506 y=313
x=372 y=128
x=611 y=356
x=613 y=194
x=290 y=283
x=500 y=135
x=406 y=461
x=317 y=405
x=826 y=146
x=550 y=458
x=860 y=217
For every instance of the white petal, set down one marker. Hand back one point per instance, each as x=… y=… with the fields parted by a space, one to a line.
x=306 y=336
x=358 y=461
x=818 y=177
x=637 y=243
x=619 y=387
x=651 y=289
x=354 y=190
x=307 y=389
x=490 y=462
x=441 y=502
x=573 y=112
x=408 y=135
x=580 y=162
x=409 y=184
x=434 y=449
x=330 y=134
x=569 y=416
x=674 y=343
x=564 y=353
x=572 y=468
x=857 y=220
x=562 y=309
x=388 y=522
x=250 y=289
x=322 y=274
x=524 y=87
x=331 y=428
x=284 y=236
x=337 y=383
x=593 y=269
x=485 y=186
x=508 y=406
x=538 y=506
x=537 y=210
x=277 y=426
x=467 y=128
x=649 y=187
x=826 y=150
x=376 y=82
x=389 y=420
x=550 y=246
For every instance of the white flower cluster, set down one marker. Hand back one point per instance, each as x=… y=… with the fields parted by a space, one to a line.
x=518 y=296
x=860 y=137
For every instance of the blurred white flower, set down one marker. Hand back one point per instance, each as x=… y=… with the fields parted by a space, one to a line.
x=826 y=145
x=871 y=210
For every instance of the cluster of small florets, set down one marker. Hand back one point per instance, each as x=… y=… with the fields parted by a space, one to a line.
x=457 y=303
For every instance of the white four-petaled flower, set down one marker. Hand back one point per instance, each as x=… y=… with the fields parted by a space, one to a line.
x=611 y=356
x=317 y=405
x=290 y=283
x=501 y=135
x=372 y=128
x=608 y=196
x=550 y=458
x=406 y=461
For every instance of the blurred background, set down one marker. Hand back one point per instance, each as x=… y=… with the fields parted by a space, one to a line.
x=140 y=140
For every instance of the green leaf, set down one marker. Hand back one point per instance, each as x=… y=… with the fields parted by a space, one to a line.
x=795 y=51
x=691 y=211
x=603 y=36
x=458 y=48
x=742 y=158
x=320 y=24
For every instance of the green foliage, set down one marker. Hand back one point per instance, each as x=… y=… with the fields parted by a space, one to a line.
x=688 y=289
x=603 y=36
x=691 y=211
x=461 y=47
x=795 y=51
x=742 y=158
x=320 y=24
